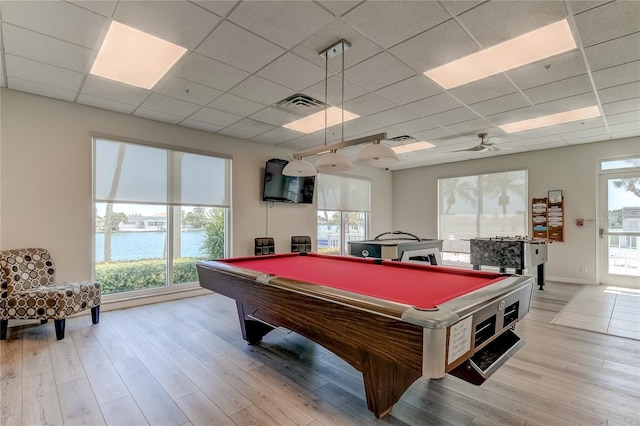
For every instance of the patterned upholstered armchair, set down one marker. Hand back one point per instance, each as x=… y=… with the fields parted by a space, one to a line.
x=29 y=291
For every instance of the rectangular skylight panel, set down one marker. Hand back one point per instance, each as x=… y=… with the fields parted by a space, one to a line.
x=315 y=122
x=527 y=48
x=550 y=120
x=133 y=57
x=411 y=147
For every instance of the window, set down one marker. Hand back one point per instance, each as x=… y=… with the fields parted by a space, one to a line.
x=343 y=212
x=486 y=205
x=157 y=211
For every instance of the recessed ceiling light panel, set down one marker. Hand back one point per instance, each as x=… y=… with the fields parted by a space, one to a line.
x=411 y=147
x=527 y=48
x=550 y=120
x=314 y=122
x=133 y=57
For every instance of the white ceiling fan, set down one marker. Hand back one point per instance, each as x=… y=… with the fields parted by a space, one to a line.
x=484 y=145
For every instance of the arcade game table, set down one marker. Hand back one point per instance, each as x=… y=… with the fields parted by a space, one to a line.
x=393 y=321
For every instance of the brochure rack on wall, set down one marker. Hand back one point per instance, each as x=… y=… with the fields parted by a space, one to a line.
x=539 y=217
x=547 y=217
x=555 y=216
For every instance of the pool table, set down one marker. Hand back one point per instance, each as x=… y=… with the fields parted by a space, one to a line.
x=393 y=321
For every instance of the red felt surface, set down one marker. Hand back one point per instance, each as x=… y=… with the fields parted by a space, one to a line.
x=416 y=285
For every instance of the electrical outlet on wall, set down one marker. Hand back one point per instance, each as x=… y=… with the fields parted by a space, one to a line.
x=583 y=269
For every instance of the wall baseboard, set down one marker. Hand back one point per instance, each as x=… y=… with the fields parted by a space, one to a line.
x=571 y=280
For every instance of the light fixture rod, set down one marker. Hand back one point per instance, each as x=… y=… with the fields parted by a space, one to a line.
x=328 y=148
x=335 y=49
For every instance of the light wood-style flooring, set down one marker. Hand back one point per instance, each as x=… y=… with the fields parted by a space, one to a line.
x=184 y=362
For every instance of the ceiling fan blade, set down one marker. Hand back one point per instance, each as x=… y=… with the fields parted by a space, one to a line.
x=473 y=148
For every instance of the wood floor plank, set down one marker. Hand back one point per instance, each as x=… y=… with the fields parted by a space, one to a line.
x=214 y=387
x=40 y=403
x=156 y=405
x=102 y=375
x=35 y=351
x=78 y=404
x=115 y=348
x=202 y=411
x=123 y=412
x=10 y=400
x=66 y=362
x=262 y=394
x=253 y=416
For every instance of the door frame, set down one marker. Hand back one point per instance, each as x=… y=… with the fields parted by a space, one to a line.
x=604 y=277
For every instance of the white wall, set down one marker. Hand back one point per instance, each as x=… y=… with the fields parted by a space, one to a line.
x=572 y=169
x=45 y=180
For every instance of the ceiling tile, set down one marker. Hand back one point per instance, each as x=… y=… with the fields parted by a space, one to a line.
x=212 y=116
x=107 y=104
x=361 y=47
x=627 y=117
x=566 y=104
x=560 y=67
x=617 y=75
x=169 y=105
x=619 y=107
x=433 y=105
x=632 y=127
x=379 y=71
x=496 y=21
x=187 y=91
x=293 y=72
x=157 y=116
x=303 y=142
x=109 y=89
x=57 y=19
x=501 y=104
x=262 y=91
x=46 y=49
x=487 y=88
x=209 y=72
x=236 y=133
x=454 y=116
x=275 y=117
x=255 y=52
x=40 y=89
x=200 y=125
x=235 y=105
x=26 y=69
x=392 y=116
x=410 y=90
x=577 y=6
x=620 y=93
x=560 y=89
x=581 y=134
x=219 y=7
x=101 y=7
x=473 y=127
x=334 y=84
x=432 y=135
x=387 y=23
x=614 y=52
x=453 y=43
x=356 y=128
x=456 y=7
x=276 y=136
x=250 y=128
x=413 y=126
x=576 y=126
x=368 y=104
x=622 y=17
x=285 y=23
x=178 y=22
x=339 y=7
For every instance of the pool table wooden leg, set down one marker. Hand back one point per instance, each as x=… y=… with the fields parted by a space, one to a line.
x=252 y=331
x=385 y=382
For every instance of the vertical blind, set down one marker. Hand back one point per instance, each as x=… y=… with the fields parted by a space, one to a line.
x=127 y=172
x=343 y=193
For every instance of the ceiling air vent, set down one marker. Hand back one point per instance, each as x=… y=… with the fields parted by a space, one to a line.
x=300 y=104
x=403 y=138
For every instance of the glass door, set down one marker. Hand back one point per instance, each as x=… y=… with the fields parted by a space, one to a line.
x=620 y=229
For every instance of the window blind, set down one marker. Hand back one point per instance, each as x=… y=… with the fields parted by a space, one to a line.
x=343 y=193
x=127 y=173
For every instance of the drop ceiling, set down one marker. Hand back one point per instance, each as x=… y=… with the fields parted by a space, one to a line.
x=246 y=56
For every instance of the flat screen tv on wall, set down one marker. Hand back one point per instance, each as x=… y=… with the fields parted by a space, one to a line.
x=286 y=189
